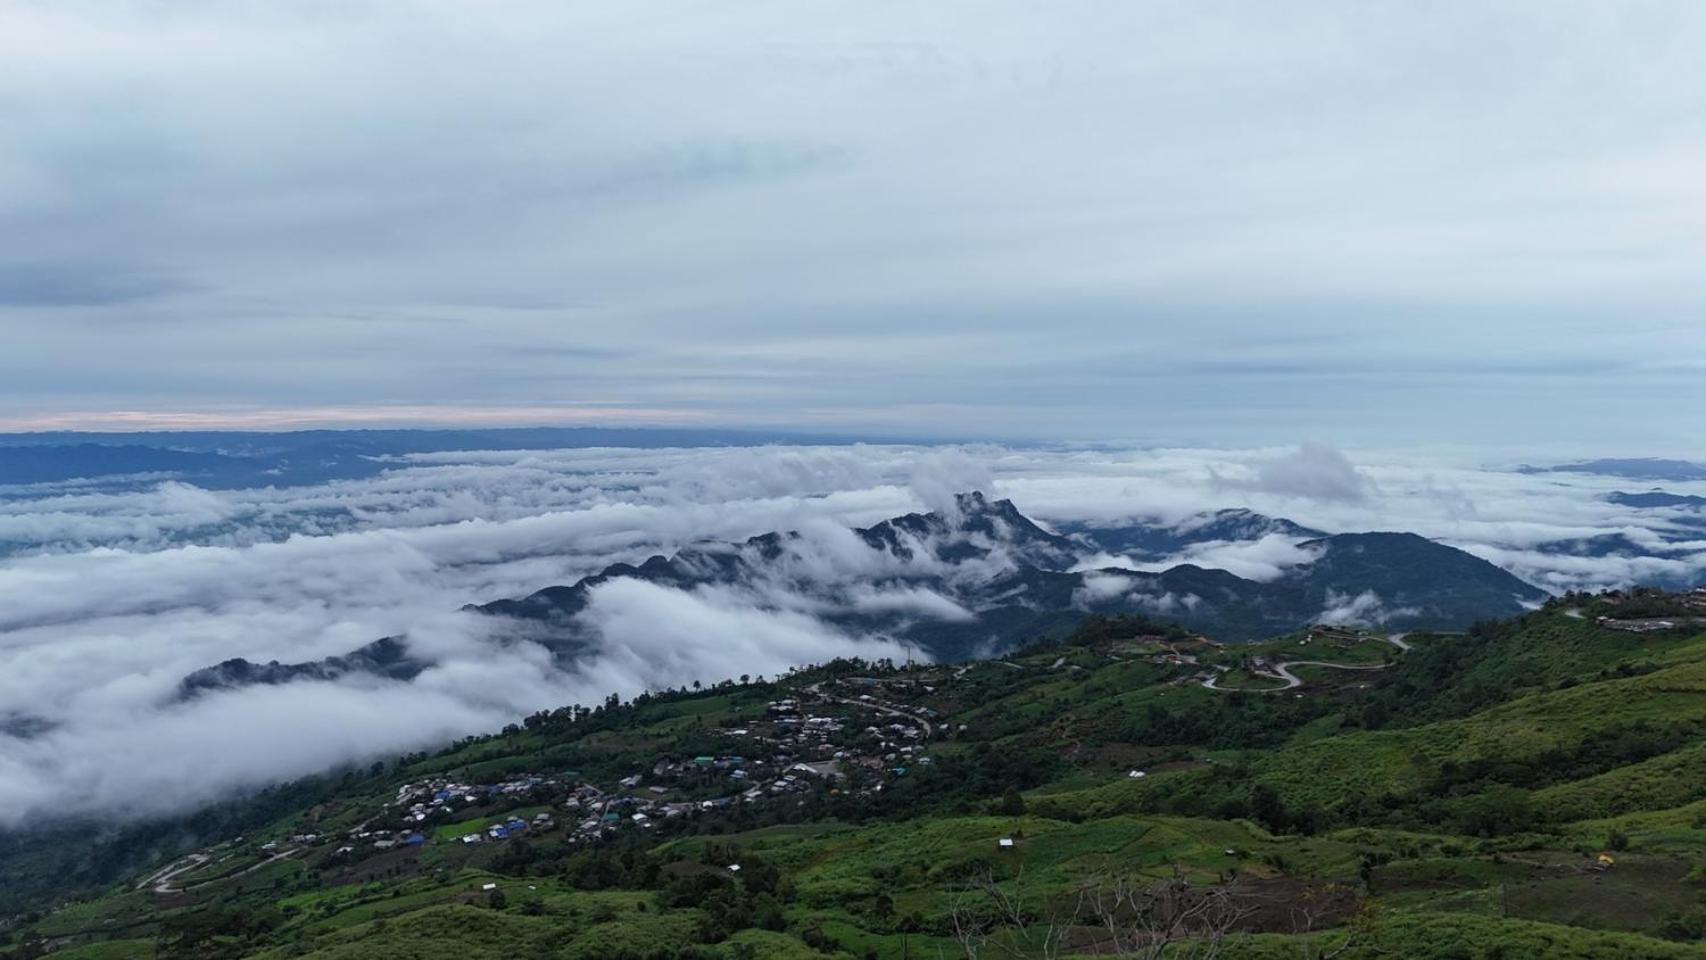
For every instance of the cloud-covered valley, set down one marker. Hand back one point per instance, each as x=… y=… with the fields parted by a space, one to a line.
x=110 y=594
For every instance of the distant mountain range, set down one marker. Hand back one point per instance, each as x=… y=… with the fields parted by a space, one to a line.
x=1674 y=533
x=1639 y=468
x=223 y=460
x=1656 y=499
x=1035 y=585
x=982 y=578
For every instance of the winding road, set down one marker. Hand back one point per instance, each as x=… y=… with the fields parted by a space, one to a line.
x=162 y=879
x=1283 y=670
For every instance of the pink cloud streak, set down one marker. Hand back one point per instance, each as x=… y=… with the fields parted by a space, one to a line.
x=391 y=415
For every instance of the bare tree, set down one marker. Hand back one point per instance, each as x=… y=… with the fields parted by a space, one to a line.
x=1136 y=918
x=1141 y=918
x=992 y=921
x=1312 y=906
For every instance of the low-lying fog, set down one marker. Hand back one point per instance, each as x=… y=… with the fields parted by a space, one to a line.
x=110 y=594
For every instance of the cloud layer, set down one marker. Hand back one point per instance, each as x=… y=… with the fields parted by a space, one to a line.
x=108 y=598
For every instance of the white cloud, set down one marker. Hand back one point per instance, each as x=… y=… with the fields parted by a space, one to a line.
x=1312 y=472
x=1365 y=610
x=1100 y=588
x=1168 y=602
x=1264 y=559
x=115 y=596
x=939 y=477
x=920 y=602
x=652 y=632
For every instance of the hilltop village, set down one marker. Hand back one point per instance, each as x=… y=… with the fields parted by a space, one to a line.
x=842 y=736
x=824 y=743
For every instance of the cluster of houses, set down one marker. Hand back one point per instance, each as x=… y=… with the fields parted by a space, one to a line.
x=1256 y=664
x=377 y=839
x=795 y=748
x=1166 y=650
x=1174 y=658
x=1335 y=635
x=440 y=797
x=510 y=827
x=1689 y=610
x=1648 y=624
x=801 y=751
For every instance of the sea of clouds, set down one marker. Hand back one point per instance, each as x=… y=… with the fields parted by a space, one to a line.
x=111 y=593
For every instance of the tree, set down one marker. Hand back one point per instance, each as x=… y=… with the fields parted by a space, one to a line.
x=1268 y=809
x=1012 y=804
x=1313 y=905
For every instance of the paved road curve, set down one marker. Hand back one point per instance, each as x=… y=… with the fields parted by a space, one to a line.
x=1283 y=671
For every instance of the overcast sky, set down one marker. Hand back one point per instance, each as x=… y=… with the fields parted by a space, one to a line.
x=1192 y=222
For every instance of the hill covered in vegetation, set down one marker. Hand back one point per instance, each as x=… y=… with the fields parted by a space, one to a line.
x=1534 y=787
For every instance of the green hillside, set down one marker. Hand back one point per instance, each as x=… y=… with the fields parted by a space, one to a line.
x=1530 y=788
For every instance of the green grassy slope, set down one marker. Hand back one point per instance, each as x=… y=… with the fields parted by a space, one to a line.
x=1455 y=802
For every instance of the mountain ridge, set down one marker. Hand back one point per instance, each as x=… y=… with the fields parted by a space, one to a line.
x=1016 y=579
